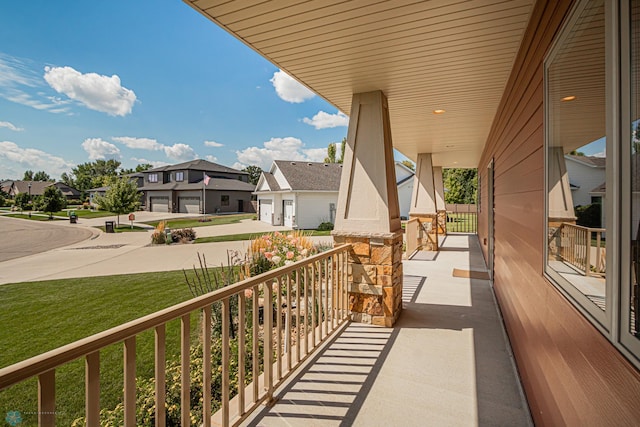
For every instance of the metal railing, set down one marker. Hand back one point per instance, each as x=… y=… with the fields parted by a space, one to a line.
x=462 y=218
x=582 y=248
x=311 y=293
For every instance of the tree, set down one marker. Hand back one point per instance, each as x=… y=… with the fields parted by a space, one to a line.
x=461 y=185
x=121 y=197
x=28 y=175
x=331 y=153
x=52 y=200
x=143 y=167
x=41 y=176
x=92 y=175
x=22 y=201
x=254 y=173
x=409 y=164
x=67 y=179
x=576 y=153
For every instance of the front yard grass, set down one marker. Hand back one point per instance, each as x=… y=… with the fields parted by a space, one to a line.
x=196 y=221
x=40 y=316
x=251 y=236
x=34 y=217
x=125 y=228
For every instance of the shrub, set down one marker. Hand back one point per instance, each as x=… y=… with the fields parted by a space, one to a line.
x=2 y=200
x=325 y=226
x=279 y=249
x=589 y=215
x=183 y=235
x=159 y=237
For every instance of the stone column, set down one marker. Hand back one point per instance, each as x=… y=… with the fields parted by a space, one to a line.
x=560 y=199
x=424 y=201
x=441 y=207
x=368 y=214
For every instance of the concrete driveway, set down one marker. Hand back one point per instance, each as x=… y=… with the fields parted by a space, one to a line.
x=22 y=238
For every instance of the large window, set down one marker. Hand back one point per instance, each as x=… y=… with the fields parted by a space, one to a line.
x=153 y=177
x=593 y=203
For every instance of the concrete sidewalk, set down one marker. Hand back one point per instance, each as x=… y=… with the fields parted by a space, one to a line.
x=126 y=253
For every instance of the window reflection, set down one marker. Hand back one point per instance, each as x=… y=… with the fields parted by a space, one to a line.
x=576 y=160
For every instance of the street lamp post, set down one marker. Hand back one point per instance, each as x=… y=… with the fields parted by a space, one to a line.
x=30 y=200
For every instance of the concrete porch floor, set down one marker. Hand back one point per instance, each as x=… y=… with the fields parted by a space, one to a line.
x=446 y=362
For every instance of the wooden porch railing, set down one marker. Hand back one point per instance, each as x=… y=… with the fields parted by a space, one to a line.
x=312 y=291
x=462 y=218
x=582 y=248
x=412 y=233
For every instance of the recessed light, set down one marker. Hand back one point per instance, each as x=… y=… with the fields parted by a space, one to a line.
x=569 y=98
x=438 y=111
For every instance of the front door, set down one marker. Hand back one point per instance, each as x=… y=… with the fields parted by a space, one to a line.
x=288 y=212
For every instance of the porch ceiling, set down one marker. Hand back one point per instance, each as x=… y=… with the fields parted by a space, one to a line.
x=424 y=55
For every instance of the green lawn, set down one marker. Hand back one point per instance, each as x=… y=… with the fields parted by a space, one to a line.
x=196 y=221
x=251 y=236
x=34 y=217
x=125 y=228
x=85 y=213
x=40 y=316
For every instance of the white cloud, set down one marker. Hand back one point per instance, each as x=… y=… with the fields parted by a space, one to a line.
x=95 y=91
x=289 y=89
x=213 y=144
x=211 y=158
x=180 y=152
x=34 y=159
x=324 y=120
x=98 y=148
x=18 y=77
x=10 y=126
x=288 y=148
x=139 y=143
x=600 y=154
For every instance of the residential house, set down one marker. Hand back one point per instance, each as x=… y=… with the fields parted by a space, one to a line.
x=585 y=173
x=136 y=177
x=36 y=188
x=197 y=186
x=304 y=194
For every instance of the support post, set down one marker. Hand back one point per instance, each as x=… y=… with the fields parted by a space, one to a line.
x=368 y=214
x=424 y=200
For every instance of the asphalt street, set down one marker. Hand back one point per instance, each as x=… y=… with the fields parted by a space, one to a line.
x=22 y=238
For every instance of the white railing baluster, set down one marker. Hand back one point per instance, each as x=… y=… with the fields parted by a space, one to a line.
x=289 y=321
x=130 y=382
x=185 y=377
x=242 y=308
x=47 y=399
x=279 y=330
x=268 y=339
x=255 y=373
x=92 y=388
x=206 y=366
x=160 y=375
x=298 y=346
x=226 y=325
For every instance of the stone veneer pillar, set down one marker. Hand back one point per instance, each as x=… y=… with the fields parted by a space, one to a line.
x=427 y=201
x=368 y=214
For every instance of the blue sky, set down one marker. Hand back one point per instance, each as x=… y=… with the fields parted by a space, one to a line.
x=144 y=81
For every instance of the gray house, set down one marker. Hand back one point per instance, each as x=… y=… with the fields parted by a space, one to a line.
x=197 y=186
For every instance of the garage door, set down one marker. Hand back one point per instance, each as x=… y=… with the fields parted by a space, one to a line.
x=266 y=209
x=159 y=204
x=288 y=213
x=189 y=205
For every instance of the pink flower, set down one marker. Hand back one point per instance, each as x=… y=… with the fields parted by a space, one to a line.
x=294 y=241
x=290 y=255
x=248 y=293
x=268 y=255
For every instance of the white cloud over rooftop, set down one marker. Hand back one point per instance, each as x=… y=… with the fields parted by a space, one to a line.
x=98 y=148
x=97 y=92
x=324 y=120
x=288 y=148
